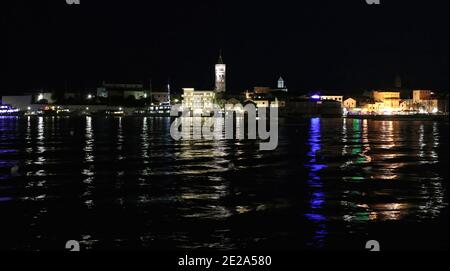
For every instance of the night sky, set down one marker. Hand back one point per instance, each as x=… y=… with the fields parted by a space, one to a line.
x=333 y=45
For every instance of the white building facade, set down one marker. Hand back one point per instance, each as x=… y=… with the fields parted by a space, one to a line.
x=198 y=101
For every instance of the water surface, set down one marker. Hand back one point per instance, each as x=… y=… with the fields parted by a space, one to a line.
x=123 y=183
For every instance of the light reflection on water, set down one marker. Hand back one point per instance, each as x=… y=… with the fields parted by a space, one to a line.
x=125 y=183
x=315 y=183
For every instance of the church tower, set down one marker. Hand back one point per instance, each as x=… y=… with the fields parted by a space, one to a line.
x=398 y=82
x=281 y=83
x=221 y=70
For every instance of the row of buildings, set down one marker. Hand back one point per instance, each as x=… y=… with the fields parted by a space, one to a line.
x=377 y=102
x=107 y=93
x=390 y=102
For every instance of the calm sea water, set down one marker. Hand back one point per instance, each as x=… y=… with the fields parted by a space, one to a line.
x=123 y=183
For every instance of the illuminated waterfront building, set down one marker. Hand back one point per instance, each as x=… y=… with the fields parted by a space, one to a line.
x=422 y=95
x=198 y=101
x=384 y=102
x=428 y=106
x=389 y=99
x=339 y=99
x=425 y=101
x=349 y=103
x=407 y=105
x=373 y=108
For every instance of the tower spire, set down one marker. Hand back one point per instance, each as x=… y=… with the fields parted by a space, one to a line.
x=220 y=75
x=168 y=90
x=220 y=61
x=398 y=81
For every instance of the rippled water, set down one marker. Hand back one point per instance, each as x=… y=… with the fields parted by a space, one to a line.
x=123 y=183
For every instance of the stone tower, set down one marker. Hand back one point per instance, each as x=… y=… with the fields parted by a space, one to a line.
x=221 y=70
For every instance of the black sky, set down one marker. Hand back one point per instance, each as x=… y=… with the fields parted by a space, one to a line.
x=335 y=45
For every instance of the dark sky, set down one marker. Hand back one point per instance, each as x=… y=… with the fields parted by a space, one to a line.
x=316 y=44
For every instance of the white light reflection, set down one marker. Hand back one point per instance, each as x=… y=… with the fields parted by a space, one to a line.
x=88 y=170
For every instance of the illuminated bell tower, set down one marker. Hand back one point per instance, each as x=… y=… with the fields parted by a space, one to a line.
x=221 y=70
